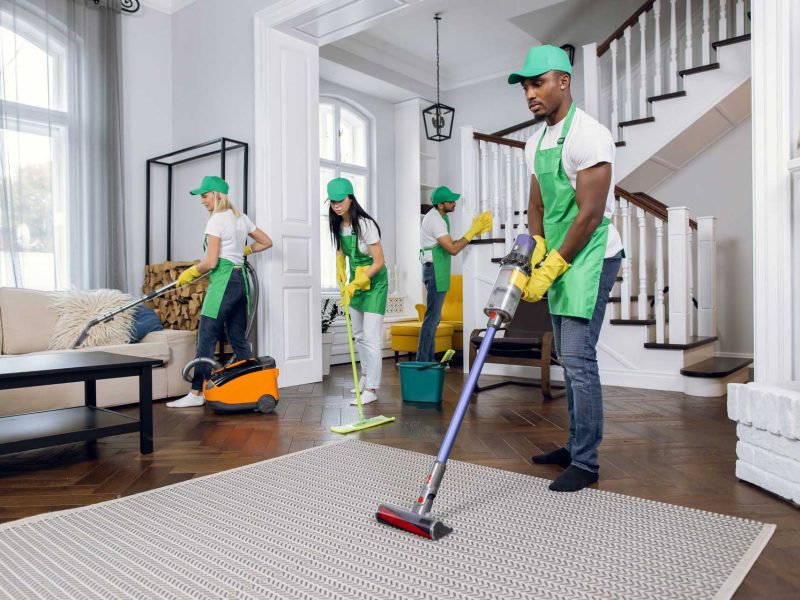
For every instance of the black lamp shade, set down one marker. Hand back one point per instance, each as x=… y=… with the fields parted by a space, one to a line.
x=438 y=120
x=570 y=50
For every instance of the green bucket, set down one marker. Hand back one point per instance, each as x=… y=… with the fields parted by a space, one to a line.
x=421 y=385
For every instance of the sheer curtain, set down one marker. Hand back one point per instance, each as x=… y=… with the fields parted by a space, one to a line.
x=61 y=201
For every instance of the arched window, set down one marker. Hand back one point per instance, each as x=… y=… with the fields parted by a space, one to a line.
x=344 y=151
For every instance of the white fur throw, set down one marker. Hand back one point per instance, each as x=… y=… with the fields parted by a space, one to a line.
x=76 y=307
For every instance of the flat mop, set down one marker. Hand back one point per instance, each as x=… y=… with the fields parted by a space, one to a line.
x=515 y=270
x=362 y=423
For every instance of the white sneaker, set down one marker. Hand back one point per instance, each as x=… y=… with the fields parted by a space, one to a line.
x=189 y=399
x=362 y=383
x=366 y=397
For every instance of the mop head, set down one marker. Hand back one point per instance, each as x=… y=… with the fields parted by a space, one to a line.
x=362 y=424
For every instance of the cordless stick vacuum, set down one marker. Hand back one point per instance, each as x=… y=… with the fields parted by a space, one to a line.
x=515 y=270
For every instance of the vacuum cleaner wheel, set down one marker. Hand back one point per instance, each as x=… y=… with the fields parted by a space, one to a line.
x=266 y=404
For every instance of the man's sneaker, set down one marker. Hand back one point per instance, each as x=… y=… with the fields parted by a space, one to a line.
x=366 y=397
x=361 y=384
x=188 y=400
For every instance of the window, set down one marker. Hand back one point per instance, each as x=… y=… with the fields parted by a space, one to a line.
x=344 y=152
x=33 y=159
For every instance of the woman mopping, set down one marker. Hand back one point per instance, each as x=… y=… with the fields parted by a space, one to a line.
x=227 y=301
x=358 y=237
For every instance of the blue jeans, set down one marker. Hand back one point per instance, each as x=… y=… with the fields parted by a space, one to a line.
x=232 y=317
x=433 y=314
x=576 y=341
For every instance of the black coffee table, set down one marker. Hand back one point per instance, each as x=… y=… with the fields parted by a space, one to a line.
x=82 y=423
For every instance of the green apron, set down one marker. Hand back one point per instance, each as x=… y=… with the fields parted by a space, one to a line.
x=441 y=261
x=574 y=294
x=217 y=283
x=374 y=299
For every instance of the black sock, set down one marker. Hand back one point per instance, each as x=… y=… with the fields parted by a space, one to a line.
x=556 y=457
x=573 y=479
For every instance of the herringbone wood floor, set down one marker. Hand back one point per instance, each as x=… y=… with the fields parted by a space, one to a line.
x=663 y=446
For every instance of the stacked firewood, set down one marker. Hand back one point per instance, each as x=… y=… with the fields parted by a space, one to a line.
x=179 y=308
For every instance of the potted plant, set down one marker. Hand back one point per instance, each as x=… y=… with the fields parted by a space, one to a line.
x=330 y=310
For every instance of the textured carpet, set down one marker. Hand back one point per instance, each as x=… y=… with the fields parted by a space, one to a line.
x=302 y=526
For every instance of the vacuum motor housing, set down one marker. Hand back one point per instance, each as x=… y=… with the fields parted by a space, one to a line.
x=244 y=385
x=515 y=270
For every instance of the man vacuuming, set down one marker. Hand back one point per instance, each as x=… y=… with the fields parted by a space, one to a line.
x=437 y=250
x=571 y=159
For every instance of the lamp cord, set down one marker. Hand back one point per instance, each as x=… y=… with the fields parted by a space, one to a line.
x=437 y=18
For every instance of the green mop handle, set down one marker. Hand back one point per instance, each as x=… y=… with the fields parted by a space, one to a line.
x=353 y=362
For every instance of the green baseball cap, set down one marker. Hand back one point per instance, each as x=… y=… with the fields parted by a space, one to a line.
x=443 y=194
x=212 y=183
x=541 y=59
x=339 y=189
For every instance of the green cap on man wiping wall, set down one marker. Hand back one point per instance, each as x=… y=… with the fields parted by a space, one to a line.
x=443 y=194
x=541 y=59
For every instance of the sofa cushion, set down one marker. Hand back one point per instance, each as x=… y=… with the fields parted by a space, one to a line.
x=145 y=320
x=27 y=320
x=157 y=350
x=413 y=329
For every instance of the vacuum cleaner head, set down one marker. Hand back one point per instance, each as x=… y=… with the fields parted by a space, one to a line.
x=412 y=522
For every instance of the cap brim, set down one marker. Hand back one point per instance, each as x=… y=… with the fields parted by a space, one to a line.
x=518 y=76
x=336 y=199
x=198 y=191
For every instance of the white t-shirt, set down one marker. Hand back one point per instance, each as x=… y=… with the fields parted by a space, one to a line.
x=367 y=234
x=232 y=232
x=433 y=227
x=587 y=144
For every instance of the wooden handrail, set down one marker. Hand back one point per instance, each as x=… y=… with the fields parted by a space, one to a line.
x=517 y=127
x=632 y=20
x=498 y=140
x=647 y=203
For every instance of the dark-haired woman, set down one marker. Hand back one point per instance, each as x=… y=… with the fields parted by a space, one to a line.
x=358 y=238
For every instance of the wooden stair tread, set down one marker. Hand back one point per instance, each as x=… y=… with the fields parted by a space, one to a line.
x=693 y=342
x=717 y=366
x=734 y=40
x=616 y=299
x=661 y=97
x=524 y=212
x=488 y=241
x=633 y=321
x=619 y=144
x=708 y=67
x=641 y=121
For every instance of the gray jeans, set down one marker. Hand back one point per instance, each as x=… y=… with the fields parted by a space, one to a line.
x=433 y=314
x=576 y=345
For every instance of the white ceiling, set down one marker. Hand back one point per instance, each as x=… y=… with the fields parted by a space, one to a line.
x=167 y=6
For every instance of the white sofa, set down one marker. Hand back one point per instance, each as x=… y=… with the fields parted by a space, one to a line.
x=26 y=324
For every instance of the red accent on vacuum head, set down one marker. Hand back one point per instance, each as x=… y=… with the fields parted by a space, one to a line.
x=412 y=522
x=420 y=500
x=493 y=315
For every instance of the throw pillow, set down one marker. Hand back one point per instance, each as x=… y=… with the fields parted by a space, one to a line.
x=145 y=320
x=75 y=308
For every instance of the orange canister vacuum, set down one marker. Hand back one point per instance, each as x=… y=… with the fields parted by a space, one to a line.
x=246 y=385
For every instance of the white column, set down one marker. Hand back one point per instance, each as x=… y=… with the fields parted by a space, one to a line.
x=690 y=278
x=523 y=176
x=687 y=54
x=673 y=47
x=659 y=291
x=740 y=17
x=677 y=247
x=494 y=149
x=469 y=171
x=706 y=39
x=484 y=177
x=643 y=65
x=614 y=92
x=641 y=300
x=508 y=198
x=591 y=81
x=628 y=76
x=723 y=19
x=707 y=276
x=625 y=288
x=657 y=30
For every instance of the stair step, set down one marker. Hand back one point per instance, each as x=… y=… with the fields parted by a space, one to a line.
x=709 y=67
x=717 y=366
x=496 y=260
x=619 y=278
x=524 y=212
x=617 y=299
x=503 y=226
x=488 y=241
x=637 y=121
x=666 y=96
x=633 y=321
x=619 y=144
x=734 y=40
x=693 y=342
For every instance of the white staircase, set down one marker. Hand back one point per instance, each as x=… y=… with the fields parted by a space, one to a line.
x=661 y=328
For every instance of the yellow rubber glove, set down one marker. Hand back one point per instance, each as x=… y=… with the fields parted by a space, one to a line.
x=188 y=276
x=247 y=250
x=542 y=278
x=360 y=282
x=539 y=251
x=480 y=224
x=341 y=270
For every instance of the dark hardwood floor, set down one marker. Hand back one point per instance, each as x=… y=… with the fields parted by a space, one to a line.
x=658 y=445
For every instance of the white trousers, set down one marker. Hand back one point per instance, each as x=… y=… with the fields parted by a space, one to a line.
x=368 y=337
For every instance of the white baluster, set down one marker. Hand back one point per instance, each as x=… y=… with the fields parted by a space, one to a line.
x=739 y=17
x=522 y=197
x=678 y=272
x=706 y=40
x=470 y=170
x=687 y=54
x=495 y=204
x=690 y=278
x=591 y=81
x=673 y=47
x=723 y=19
x=625 y=292
x=628 y=76
x=508 y=199
x=657 y=75
x=659 y=291
x=643 y=66
x=614 y=92
x=484 y=201
x=707 y=276
x=641 y=300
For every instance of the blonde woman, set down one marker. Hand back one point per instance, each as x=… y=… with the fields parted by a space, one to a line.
x=227 y=301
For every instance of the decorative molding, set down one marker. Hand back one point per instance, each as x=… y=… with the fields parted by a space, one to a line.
x=168 y=7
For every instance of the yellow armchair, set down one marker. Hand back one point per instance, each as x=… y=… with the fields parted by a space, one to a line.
x=452 y=311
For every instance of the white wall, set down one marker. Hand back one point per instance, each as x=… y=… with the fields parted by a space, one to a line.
x=383 y=113
x=719 y=183
x=147 y=119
